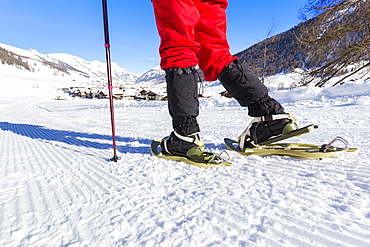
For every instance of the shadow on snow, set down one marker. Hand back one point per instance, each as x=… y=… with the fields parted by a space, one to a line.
x=77 y=138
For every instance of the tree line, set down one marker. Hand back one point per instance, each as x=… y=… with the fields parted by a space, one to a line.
x=10 y=58
x=339 y=37
x=335 y=34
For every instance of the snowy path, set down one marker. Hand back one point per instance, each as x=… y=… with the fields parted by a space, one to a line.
x=57 y=187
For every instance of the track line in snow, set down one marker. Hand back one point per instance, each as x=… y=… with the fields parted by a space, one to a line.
x=61 y=189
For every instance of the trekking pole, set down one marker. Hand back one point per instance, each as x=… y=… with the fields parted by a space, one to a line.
x=109 y=73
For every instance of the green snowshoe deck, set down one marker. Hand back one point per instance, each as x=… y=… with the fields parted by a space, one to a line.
x=291 y=149
x=214 y=159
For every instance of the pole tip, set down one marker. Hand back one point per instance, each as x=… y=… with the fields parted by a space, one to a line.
x=115 y=158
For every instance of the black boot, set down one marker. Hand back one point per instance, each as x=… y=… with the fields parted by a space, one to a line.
x=263 y=128
x=177 y=144
x=184 y=137
x=183 y=105
x=269 y=117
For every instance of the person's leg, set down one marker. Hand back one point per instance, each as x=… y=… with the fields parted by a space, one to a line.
x=248 y=90
x=216 y=62
x=215 y=59
x=183 y=105
x=210 y=32
x=195 y=30
x=176 y=21
x=269 y=117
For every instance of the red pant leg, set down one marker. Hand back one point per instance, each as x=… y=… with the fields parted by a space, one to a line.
x=210 y=32
x=192 y=32
x=176 y=20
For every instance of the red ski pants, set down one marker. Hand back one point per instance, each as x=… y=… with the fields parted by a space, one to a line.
x=193 y=32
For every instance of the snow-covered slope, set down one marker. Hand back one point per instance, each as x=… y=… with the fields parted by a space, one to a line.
x=95 y=68
x=153 y=77
x=64 y=65
x=58 y=187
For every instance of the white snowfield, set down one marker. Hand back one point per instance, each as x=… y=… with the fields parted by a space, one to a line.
x=58 y=187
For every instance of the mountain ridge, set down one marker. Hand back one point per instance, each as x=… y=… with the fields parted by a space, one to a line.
x=62 y=64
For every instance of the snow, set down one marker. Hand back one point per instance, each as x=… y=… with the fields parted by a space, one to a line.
x=152 y=77
x=71 y=67
x=58 y=187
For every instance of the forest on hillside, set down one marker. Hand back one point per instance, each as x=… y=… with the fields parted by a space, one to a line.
x=333 y=40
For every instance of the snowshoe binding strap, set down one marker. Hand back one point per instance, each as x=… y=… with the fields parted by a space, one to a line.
x=197 y=155
x=273 y=117
x=164 y=144
x=249 y=137
x=193 y=138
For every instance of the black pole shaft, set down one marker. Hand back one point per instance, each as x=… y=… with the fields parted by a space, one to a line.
x=109 y=73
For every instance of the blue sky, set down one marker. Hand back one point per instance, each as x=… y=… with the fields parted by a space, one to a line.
x=76 y=27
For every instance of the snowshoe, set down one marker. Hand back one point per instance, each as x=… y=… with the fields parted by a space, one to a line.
x=293 y=149
x=188 y=149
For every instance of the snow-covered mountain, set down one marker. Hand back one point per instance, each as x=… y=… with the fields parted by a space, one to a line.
x=61 y=64
x=153 y=77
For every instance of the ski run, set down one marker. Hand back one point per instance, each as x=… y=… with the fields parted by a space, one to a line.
x=58 y=187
